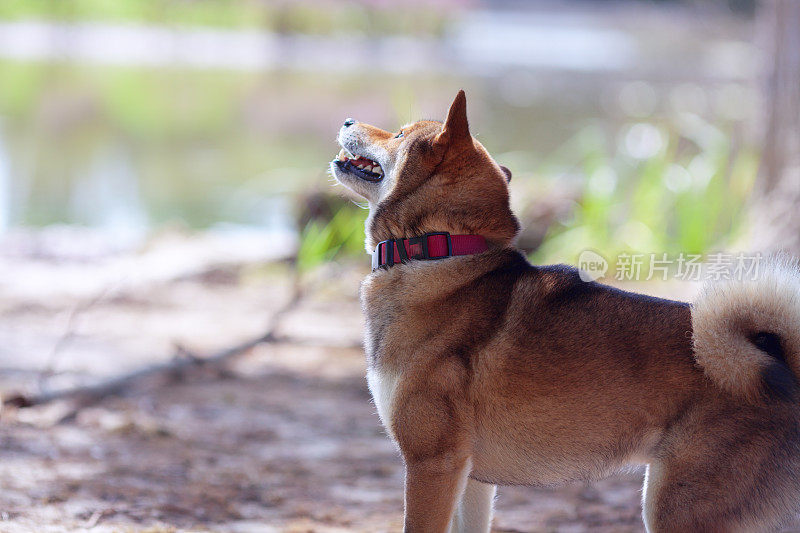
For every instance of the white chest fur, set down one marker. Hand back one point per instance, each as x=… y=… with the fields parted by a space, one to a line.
x=383 y=386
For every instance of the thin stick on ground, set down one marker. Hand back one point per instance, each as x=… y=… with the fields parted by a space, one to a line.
x=68 y=335
x=175 y=369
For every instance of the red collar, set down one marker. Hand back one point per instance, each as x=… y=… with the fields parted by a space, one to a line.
x=436 y=245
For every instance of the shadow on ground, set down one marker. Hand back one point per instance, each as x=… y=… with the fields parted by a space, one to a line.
x=273 y=449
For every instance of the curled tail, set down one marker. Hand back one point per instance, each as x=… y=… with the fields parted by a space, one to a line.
x=747 y=332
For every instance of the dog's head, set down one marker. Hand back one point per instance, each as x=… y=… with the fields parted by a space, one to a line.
x=428 y=176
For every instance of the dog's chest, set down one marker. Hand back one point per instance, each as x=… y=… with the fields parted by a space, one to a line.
x=383 y=386
x=385 y=359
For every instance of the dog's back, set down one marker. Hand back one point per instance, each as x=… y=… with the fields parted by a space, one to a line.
x=585 y=375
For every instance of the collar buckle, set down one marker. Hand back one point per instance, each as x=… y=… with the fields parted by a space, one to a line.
x=420 y=240
x=423 y=241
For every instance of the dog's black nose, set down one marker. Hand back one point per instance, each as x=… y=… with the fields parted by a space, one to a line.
x=349 y=122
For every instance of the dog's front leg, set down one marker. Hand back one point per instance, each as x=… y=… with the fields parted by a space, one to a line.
x=433 y=487
x=433 y=425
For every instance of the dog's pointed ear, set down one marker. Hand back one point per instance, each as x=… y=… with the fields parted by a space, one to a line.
x=507 y=172
x=456 y=127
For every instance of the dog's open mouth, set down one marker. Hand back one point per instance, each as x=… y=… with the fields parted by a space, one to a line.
x=364 y=168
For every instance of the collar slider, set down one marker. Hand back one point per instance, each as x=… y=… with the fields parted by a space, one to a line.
x=434 y=245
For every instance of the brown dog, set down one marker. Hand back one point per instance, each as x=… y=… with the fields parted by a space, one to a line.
x=487 y=370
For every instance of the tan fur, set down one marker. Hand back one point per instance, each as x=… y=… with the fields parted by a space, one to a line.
x=487 y=370
x=727 y=312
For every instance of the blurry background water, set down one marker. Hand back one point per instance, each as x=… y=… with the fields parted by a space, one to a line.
x=628 y=125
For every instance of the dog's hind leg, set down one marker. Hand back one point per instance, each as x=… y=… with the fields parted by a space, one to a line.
x=744 y=481
x=673 y=504
x=474 y=511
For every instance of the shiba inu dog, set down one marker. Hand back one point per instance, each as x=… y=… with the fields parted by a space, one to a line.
x=487 y=370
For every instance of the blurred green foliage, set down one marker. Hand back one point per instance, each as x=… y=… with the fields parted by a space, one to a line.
x=342 y=236
x=282 y=17
x=188 y=137
x=687 y=196
x=205 y=12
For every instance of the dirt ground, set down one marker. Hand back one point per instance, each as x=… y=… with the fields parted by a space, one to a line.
x=285 y=439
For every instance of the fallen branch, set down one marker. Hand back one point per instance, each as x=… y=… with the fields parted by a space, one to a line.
x=69 y=334
x=175 y=369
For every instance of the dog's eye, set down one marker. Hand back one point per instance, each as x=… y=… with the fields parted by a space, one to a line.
x=399 y=135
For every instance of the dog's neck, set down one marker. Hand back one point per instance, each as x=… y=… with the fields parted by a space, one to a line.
x=414 y=282
x=427 y=247
x=393 y=219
